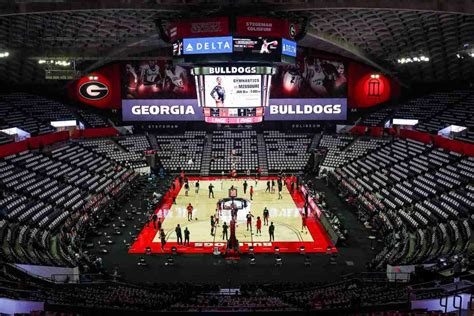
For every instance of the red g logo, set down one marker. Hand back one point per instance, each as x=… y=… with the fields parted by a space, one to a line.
x=93 y=90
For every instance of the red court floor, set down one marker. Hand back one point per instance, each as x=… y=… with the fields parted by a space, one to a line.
x=319 y=244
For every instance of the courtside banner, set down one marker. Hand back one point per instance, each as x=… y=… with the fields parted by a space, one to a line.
x=199 y=28
x=161 y=110
x=257 y=26
x=306 y=109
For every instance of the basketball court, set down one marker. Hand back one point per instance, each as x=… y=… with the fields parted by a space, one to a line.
x=285 y=213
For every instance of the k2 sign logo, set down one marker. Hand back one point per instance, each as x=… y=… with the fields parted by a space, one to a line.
x=93 y=90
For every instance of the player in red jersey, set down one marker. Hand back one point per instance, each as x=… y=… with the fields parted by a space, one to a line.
x=259 y=226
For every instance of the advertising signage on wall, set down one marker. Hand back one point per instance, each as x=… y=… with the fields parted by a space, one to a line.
x=306 y=109
x=258 y=26
x=207 y=45
x=221 y=26
x=313 y=89
x=199 y=28
x=288 y=47
x=268 y=48
x=234 y=49
x=277 y=110
x=162 y=110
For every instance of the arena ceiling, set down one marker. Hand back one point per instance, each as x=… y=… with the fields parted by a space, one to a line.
x=375 y=32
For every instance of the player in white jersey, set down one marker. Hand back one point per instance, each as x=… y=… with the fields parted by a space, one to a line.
x=314 y=75
x=266 y=45
x=150 y=74
x=292 y=80
x=132 y=83
x=175 y=77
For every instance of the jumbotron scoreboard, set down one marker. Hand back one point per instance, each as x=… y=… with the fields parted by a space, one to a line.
x=242 y=70
x=233 y=72
x=233 y=94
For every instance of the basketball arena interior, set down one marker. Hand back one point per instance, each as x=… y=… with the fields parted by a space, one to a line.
x=276 y=156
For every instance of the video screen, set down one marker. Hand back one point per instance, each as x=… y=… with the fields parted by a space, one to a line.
x=235 y=91
x=310 y=77
x=156 y=79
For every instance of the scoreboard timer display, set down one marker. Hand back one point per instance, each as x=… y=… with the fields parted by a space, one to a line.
x=235 y=94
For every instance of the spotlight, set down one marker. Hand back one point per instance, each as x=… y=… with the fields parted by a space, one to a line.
x=278 y=261
x=251 y=250
x=328 y=250
x=302 y=250
x=174 y=250
x=169 y=262
x=141 y=262
x=253 y=261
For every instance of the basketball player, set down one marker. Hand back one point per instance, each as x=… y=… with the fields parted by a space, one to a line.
x=179 y=236
x=132 y=80
x=245 y=186
x=280 y=188
x=218 y=93
x=211 y=190
x=266 y=215
x=268 y=187
x=259 y=226
x=213 y=225
x=249 y=220
x=340 y=84
x=159 y=223
x=196 y=186
x=186 y=188
x=271 y=232
x=150 y=74
x=163 y=239
x=153 y=219
x=216 y=217
x=251 y=192
x=303 y=224
x=292 y=80
x=190 y=209
x=186 y=236
x=224 y=231
x=266 y=45
x=174 y=77
x=314 y=75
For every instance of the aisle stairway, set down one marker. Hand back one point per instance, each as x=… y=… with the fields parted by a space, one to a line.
x=262 y=154
x=152 y=139
x=206 y=155
x=315 y=141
